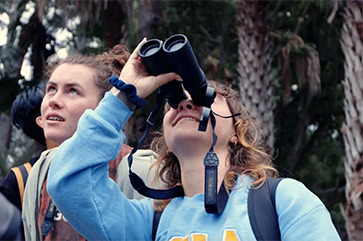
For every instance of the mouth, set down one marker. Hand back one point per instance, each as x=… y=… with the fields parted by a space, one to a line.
x=54 y=118
x=185 y=118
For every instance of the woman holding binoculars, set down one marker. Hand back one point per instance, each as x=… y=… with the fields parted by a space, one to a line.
x=100 y=211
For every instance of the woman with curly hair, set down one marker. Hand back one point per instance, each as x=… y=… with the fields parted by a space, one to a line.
x=104 y=213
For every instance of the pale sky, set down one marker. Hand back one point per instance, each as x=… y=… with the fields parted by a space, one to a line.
x=4 y=18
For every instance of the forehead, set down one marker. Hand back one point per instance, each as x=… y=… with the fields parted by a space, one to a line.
x=72 y=72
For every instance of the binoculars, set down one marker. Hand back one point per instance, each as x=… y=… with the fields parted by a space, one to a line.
x=176 y=55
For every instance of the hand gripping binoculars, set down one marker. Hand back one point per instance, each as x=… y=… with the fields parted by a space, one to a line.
x=176 y=55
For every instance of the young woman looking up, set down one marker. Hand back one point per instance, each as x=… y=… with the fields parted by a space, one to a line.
x=80 y=167
x=75 y=85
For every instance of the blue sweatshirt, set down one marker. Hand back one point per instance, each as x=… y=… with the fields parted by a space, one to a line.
x=79 y=184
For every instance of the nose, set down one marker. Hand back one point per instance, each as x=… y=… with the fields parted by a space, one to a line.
x=56 y=101
x=186 y=104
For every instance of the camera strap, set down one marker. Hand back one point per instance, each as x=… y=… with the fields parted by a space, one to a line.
x=213 y=203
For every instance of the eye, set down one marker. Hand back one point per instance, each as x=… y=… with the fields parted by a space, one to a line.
x=50 y=89
x=73 y=91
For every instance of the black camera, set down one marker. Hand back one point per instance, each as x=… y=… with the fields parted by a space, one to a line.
x=176 y=55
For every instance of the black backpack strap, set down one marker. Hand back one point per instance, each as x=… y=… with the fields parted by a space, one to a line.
x=262 y=210
x=156 y=220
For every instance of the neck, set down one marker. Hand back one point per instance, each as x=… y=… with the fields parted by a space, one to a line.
x=50 y=144
x=192 y=172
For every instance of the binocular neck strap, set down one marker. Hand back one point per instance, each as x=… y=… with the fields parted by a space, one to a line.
x=213 y=203
x=211 y=171
x=137 y=183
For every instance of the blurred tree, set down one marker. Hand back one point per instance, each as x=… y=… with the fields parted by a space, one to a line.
x=352 y=45
x=24 y=36
x=308 y=116
x=213 y=41
x=305 y=85
x=254 y=22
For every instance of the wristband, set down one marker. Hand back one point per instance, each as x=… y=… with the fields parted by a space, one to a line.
x=129 y=90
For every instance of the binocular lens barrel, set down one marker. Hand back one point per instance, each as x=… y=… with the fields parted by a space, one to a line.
x=153 y=58
x=174 y=43
x=180 y=55
x=151 y=50
x=175 y=55
x=150 y=47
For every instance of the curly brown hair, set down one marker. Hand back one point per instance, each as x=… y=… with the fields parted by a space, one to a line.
x=250 y=155
x=106 y=64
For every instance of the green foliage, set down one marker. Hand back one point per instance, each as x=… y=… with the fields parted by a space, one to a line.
x=320 y=161
x=314 y=31
x=209 y=28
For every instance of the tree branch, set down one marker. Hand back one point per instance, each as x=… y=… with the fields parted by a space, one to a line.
x=209 y=37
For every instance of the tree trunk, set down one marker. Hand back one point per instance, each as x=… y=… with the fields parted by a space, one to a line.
x=352 y=46
x=150 y=12
x=114 y=24
x=254 y=67
x=33 y=34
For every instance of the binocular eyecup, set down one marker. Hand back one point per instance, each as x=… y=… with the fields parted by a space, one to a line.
x=176 y=55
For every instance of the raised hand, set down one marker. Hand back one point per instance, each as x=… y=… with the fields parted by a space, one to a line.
x=135 y=73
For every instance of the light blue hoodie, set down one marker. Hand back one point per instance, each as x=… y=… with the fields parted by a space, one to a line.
x=79 y=184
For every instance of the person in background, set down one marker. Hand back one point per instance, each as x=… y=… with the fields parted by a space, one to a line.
x=24 y=115
x=10 y=220
x=100 y=211
x=75 y=85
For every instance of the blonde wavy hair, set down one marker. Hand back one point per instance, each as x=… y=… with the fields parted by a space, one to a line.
x=249 y=156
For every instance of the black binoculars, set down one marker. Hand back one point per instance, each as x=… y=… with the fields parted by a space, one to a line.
x=176 y=55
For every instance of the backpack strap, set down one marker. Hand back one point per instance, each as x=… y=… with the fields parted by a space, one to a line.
x=262 y=210
x=21 y=174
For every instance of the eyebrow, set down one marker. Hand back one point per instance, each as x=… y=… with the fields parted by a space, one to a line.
x=70 y=84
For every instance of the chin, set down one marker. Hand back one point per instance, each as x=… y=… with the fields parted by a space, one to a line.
x=56 y=138
x=191 y=141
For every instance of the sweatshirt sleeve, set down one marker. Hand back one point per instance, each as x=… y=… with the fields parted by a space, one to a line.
x=79 y=184
x=302 y=215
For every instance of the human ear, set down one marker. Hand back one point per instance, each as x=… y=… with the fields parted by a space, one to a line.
x=38 y=120
x=233 y=139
